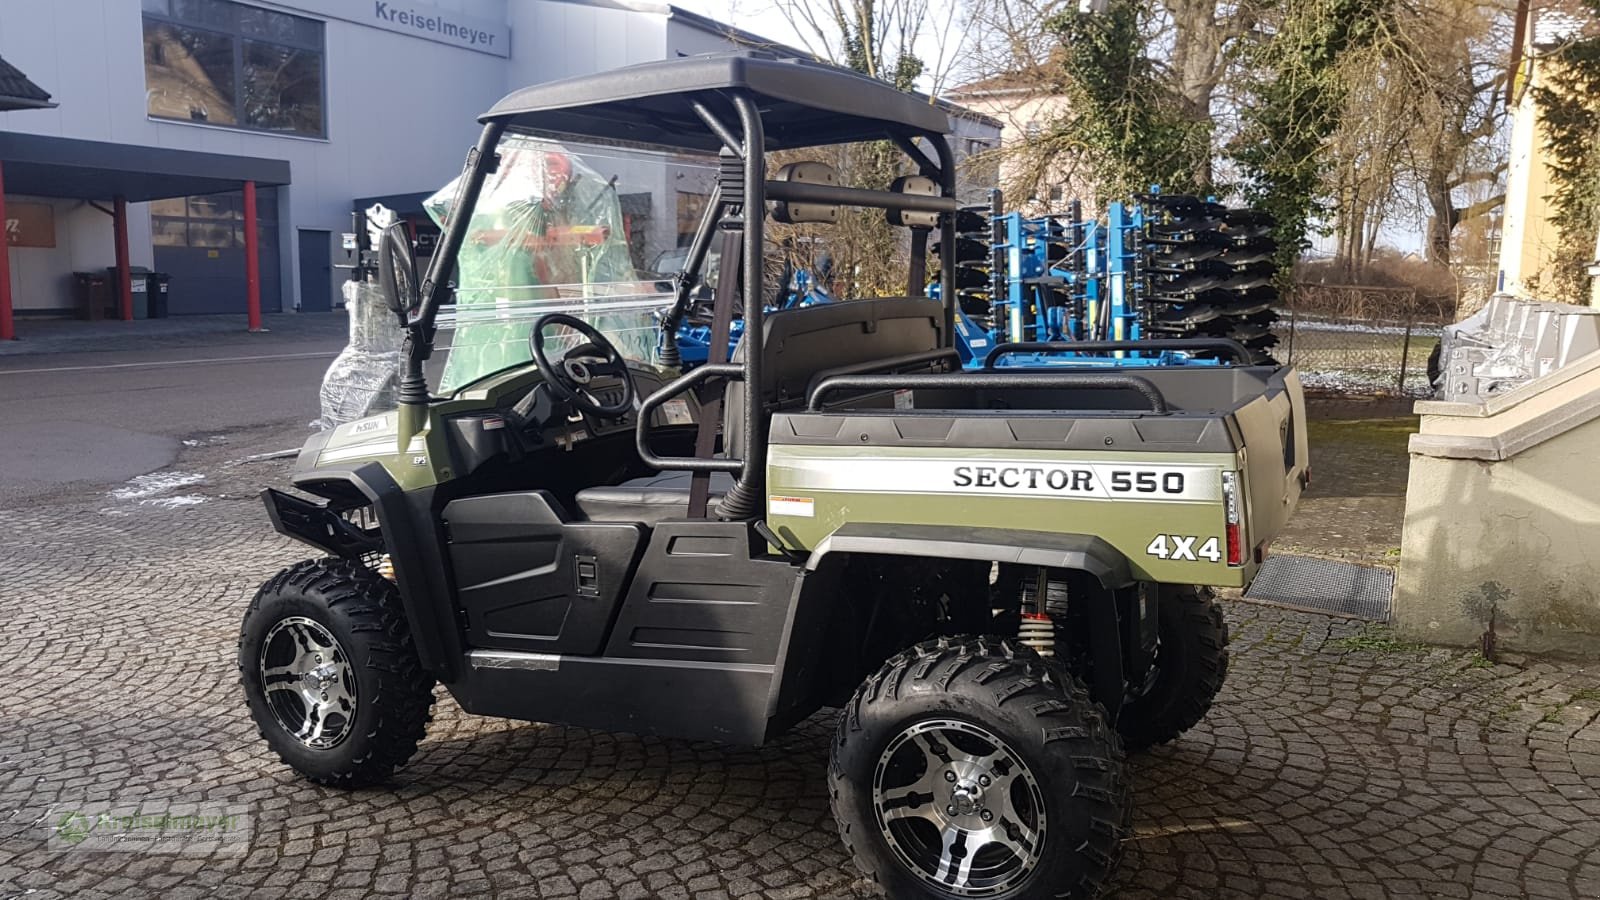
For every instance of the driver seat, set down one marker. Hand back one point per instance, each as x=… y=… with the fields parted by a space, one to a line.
x=801 y=346
x=648 y=500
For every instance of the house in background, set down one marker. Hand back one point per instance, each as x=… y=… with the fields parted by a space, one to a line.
x=1025 y=107
x=1530 y=231
x=17 y=92
x=179 y=118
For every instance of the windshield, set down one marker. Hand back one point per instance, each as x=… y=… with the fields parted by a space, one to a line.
x=567 y=227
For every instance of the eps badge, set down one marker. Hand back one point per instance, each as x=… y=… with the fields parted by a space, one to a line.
x=1182 y=547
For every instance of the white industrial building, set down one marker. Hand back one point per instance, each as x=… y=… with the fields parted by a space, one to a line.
x=173 y=105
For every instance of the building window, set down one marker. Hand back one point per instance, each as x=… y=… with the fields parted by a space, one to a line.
x=213 y=221
x=228 y=64
x=691 y=206
x=1032 y=130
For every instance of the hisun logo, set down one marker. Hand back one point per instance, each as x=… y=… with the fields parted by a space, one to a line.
x=433 y=23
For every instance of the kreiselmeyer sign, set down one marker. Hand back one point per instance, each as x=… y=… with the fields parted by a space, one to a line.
x=420 y=20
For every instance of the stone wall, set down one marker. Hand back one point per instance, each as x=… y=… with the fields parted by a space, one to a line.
x=1516 y=542
x=1502 y=524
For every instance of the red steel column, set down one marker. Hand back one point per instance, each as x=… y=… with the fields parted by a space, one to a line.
x=119 y=224
x=252 y=260
x=8 y=331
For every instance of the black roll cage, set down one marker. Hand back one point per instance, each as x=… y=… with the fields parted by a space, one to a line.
x=743 y=152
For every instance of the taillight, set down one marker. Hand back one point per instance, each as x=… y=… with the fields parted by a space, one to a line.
x=1230 y=498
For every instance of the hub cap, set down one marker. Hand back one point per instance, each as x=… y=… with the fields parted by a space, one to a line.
x=959 y=808
x=309 y=684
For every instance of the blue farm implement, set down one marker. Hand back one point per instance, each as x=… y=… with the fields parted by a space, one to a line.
x=1160 y=280
x=1153 y=270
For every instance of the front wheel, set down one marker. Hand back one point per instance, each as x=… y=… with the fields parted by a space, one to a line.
x=331 y=675
x=967 y=767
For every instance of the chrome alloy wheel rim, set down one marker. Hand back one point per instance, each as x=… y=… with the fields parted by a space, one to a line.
x=308 y=681
x=959 y=808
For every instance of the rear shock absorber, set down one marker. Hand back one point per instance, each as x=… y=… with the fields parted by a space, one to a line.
x=1043 y=601
x=1038 y=632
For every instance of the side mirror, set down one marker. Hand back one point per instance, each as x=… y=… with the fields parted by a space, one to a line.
x=397 y=272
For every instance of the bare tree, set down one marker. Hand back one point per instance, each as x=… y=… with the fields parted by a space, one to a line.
x=1202 y=35
x=903 y=42
x=863 y=255
x=1421 y=135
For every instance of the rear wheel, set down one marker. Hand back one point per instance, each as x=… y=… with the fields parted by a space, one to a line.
x=966 y=767
x=331 y=675
x=1191 y=662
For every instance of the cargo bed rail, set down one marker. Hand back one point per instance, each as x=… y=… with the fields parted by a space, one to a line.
x=992 y=379
x=1232 y=348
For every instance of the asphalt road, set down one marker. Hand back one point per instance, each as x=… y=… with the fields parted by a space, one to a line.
x=73 y=421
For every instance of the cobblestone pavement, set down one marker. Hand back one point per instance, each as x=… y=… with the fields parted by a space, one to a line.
x=1355 y=506
x=1337 y=762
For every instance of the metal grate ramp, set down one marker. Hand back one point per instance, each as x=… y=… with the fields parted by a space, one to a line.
x=1324 y=586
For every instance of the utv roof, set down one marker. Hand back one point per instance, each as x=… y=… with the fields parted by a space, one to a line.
x=803 y=103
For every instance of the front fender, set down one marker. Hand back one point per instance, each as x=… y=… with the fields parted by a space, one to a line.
x=1006 y=545
x=413 y=540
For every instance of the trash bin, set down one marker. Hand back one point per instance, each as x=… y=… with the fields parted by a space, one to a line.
x=157 y=288
x=139 y=287
x=92 y=291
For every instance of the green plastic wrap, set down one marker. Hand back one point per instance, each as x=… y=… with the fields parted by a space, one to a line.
x=548 y=235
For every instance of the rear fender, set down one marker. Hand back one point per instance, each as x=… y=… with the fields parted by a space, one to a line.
x=813 y=668
x=1052 y=550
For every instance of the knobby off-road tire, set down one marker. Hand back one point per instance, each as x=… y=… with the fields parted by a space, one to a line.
x=331 y=675
x=966 y=767
x=1190 y=665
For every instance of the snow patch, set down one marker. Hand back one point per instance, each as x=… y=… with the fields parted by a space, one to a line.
x=141 y=487
x=174 y=502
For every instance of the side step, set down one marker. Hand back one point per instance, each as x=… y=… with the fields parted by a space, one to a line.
x=689 y=699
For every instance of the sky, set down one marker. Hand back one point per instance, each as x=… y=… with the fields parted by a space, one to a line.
x=766 y=19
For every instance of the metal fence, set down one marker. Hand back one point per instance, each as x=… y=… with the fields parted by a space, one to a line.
x=1351 y=339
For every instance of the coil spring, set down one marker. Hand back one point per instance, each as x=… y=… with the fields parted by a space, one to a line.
x=1038 y=632
x=385 y=567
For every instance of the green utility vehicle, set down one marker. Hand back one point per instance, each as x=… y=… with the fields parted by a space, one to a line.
x=999 y=576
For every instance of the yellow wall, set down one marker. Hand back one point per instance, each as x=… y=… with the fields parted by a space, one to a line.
x=1530 y=232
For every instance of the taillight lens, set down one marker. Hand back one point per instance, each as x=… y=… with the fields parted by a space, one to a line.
x=1230 y=499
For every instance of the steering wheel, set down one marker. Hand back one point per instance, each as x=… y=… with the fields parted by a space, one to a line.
x=569 y=379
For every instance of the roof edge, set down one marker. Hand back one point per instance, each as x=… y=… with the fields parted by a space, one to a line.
x=13 y=104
